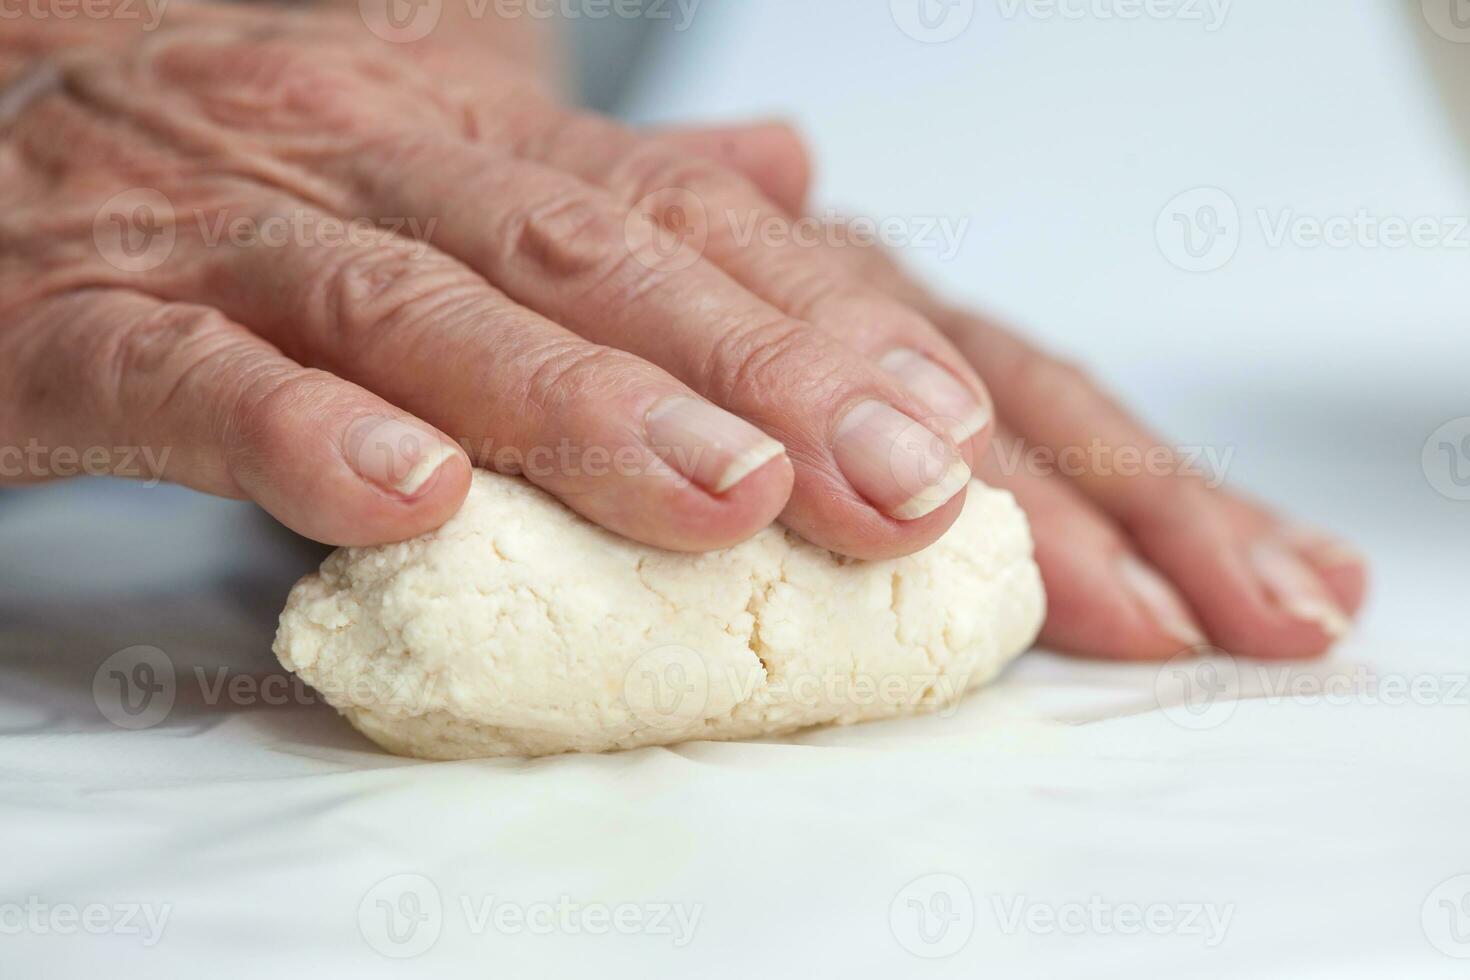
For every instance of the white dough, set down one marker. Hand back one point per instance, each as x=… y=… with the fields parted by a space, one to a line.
x=519 y=628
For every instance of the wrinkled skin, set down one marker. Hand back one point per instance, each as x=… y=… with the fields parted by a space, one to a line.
x=176 y=276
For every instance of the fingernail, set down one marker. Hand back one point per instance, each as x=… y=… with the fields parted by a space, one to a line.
x=397 y=456
x=1160 y=601
x=1322 y=548
x=1296 y=588
x=897 y=464
x=947 y=396
x=707 y=444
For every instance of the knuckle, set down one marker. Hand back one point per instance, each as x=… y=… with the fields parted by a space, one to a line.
x=650 y=168
x=570 y=237
x=586 y=245
x=145 y=361
x=1175 y=502
x=808 y=292
x=776 y=355
x=868 y=317
x=268 y=409
x=1046 y=379
x=382 y=291
x=579 y=376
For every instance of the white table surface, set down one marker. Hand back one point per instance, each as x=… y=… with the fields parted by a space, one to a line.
x=1325 y=836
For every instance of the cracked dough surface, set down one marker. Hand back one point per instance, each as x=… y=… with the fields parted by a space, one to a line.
x=520 y=628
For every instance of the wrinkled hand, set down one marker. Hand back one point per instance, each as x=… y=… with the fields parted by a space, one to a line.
x=1139 y=561
x=297 y=263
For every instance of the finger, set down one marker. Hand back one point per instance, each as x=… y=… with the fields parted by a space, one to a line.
x=1342 y=567
x=614 y=437
x=787 y=263
x=1248 y=623
x=1225 y=555
x=773 y=158
x=179 y=392
x=1103 y=599
x=770 y=155
x=1255 y=595
x=871 y=480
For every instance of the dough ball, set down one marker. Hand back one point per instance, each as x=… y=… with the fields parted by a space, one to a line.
x=520 y=628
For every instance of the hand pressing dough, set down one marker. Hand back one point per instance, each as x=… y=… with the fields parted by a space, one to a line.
x=519 y=628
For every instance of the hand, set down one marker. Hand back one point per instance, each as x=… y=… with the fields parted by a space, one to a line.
x=1138 y=566
x=303 y=265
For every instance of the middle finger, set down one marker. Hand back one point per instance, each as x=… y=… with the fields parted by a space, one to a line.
x=871 y=479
